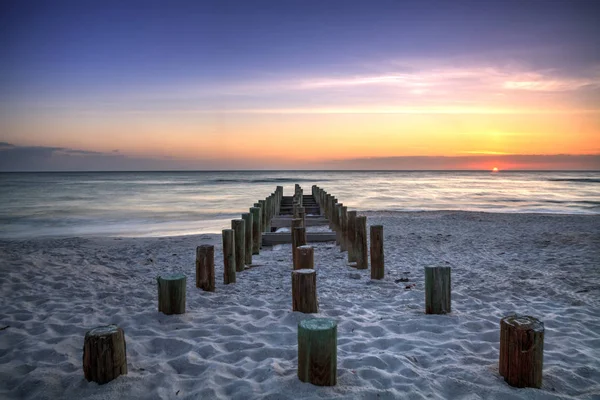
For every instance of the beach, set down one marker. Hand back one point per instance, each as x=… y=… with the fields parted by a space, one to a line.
x=240 y=342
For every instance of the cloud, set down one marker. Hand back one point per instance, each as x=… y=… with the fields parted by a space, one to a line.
x=481 y=161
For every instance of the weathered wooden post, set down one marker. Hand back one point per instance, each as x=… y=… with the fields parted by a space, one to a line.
x=239 y=232
x=205 y=267
x=377 y=261
x=104 y=354
x=296 y=223
x=521 y=350
x=247 y=217
x=305 y=257
x=228 y=256
x=263 y=220
x=437 y=290
x=298 y=239
x=361 y=249
x=304 y=290
x=337 y=226
x=256 y=233
x=351 y=236
x=344 y=228
x=171 y=294
x=317 y=351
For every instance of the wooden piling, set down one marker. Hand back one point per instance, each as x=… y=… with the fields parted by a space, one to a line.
x=437 y=290
x=248 y=241
x=377 y=262
x=351 y=236
x=298 y=239
x=171 y=294
x=228 y=256
x=317 y=351
x=239 y=231
x=305 y=257
x=205 y=267
x=104 y=354
x=296 y=223
x=256 y=232
x=361 y=249
x=521 y=351
x=344 y=229
x=336 y=222
x=304 y=290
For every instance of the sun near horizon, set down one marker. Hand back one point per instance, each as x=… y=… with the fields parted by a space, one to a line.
x=404 y=85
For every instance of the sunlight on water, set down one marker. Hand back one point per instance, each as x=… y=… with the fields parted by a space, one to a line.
x=176 y=203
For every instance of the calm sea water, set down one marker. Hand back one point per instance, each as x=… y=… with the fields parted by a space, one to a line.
x=175 y=203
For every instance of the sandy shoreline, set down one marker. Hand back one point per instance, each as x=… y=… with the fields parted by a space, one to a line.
x=240 y=342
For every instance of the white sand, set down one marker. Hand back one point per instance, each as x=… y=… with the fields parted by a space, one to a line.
x=240 y=341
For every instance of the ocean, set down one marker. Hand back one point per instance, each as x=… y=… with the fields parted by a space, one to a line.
x=184 y=202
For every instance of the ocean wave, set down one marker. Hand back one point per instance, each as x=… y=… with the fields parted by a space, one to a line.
x=263 y=180
x=585 y=180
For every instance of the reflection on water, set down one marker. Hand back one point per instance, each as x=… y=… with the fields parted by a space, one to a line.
x=172 y=203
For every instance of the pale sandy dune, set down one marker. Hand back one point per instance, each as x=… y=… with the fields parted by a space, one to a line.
x=240 y=341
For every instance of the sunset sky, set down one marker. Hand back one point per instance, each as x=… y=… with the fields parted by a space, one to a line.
x=299 y=84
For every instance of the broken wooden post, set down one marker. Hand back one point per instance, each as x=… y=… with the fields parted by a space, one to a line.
x=377 y=264
x=239 y=232
x=361 y=249
x=247 y=217
x=256 y=233
x=317 y=351
x=521 y=350
x=104 y=354
x=228 y=256
x=171 y=294
x=205 y=267
x=437 y=290
x=351 y=236
x=304 y=290
x=305 y=257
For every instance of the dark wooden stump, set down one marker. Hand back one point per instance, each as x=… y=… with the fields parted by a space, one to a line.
x=104 y=354
x=344 y=229
x=377 y=264
x=351 y=236
x=256 y=232
x=205 y=267
x=521 y=351
x=239 y=231
x=247 y=217
x=437 y=290
x=171 y=294
x=298 y=239
x=228 y=256
x=317 y=351
x=304 y=290
x=361 y=246
x=305 y=257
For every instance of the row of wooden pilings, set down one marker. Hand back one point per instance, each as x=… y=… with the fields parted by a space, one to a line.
x=351 y=234
x=521 y=337
x=104 y=355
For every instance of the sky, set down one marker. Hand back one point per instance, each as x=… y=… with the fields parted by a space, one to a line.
x=104 y=85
